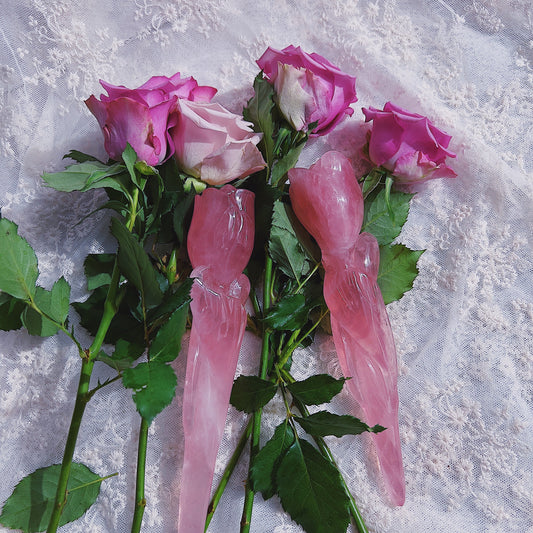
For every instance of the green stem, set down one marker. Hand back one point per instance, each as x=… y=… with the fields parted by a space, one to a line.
x=293 y=345
x=256 y=424
x=302 y=283
x=227 y=474
x=140 y=501
x=83 y=394
x=79 y=408
x=326 y=452
x=94 y=390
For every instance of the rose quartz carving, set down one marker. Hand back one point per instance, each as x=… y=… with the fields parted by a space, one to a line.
x=220 y=243
x=329 y=203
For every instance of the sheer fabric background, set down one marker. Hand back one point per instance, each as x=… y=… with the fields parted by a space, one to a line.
x=464 y=333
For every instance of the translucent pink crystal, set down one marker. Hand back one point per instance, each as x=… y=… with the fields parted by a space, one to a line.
x=220 y=243
x=328 y=201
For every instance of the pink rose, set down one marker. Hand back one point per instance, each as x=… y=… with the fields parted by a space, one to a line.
x=309 y=88
x=213 y=144
x=143 y=116
x=408 y=145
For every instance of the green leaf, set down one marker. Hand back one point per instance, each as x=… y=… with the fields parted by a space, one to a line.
x=54 y=304
x=30 y=505
x=397 y=271
x=288 y=161
x=167 y=343
x=324 y=423
x=249 y=393
x=316 y=389
x=135 y=264
x=83 y=176
x=125 y=354
x=310 y=490
x=265 y=196
x=265 y=463
x=289 y=313
x=371 y=181
x=154 y=384
x=172 y=300
x=80 y=157
x=182 y=212
x=10 y=311
x=129 y=157
x=18 y=263
x=259 y=111
x=123 y=325
x=98 y=270
x=377 y=219
x=285 y=247
x=145 y=169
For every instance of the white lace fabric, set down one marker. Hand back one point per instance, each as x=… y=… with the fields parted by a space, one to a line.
x=464 y=333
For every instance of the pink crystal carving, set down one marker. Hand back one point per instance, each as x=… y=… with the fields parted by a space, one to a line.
x=219 y=243
x=328 y=201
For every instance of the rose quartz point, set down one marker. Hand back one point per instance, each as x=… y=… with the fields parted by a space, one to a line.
x=220 y=243
x=329 y=203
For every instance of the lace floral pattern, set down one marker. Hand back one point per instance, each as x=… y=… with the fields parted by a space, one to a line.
x=464 y=333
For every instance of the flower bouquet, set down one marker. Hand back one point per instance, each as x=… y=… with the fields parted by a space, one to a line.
x=218 y=231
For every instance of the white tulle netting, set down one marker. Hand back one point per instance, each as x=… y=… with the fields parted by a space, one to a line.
x=464 y=333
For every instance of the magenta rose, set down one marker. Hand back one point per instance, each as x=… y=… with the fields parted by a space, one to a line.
x=308 y=88
x=408 y=145
x=214 y=145
x=143 y=116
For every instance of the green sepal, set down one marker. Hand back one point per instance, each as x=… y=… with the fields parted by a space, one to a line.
x=371 y=181
x=129 y=156
x=259 y=111
x=145 y=169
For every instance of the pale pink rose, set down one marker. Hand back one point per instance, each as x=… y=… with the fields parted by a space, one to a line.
x=308 y=88
x=214 y=145
x=143 y=116
x=408 y=145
